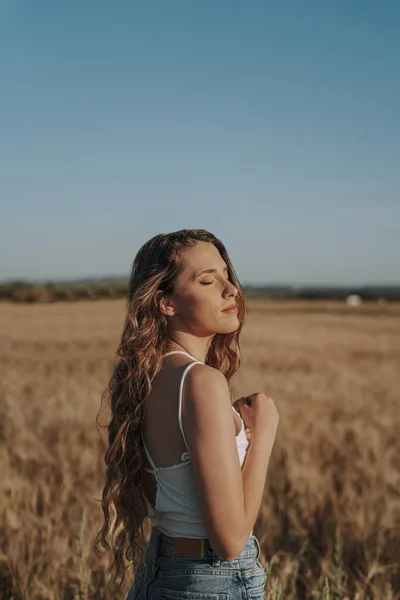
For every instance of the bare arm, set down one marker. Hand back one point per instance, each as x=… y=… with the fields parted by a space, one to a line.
x=254 y=473
x=229 y=497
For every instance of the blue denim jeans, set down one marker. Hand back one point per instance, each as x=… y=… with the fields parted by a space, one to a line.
x=168 y=577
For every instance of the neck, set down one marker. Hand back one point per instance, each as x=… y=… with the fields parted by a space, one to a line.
x=197 y=353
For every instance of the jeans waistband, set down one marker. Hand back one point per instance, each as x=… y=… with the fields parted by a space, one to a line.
x=162 y=544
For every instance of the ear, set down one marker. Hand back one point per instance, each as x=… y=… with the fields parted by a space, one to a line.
x=164 y=304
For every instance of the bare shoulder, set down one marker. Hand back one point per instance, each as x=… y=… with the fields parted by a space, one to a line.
x=205 y=389
x=204 y=375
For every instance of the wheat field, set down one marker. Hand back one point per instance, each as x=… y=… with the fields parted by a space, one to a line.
x=329 y=525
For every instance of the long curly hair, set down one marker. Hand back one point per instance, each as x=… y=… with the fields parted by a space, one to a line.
x=144 y=340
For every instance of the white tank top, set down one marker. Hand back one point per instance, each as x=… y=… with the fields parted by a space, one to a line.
x=177 y=511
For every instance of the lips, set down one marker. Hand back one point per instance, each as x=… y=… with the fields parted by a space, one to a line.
x=229 y=307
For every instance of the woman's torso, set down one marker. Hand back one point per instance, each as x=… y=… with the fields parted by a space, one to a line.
x=163 y=437
x=165 y=576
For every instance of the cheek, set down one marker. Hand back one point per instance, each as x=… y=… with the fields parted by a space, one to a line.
x=199 y=303
x=192 y=303
x=201 y=306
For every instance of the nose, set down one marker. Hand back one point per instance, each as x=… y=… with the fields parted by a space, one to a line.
x=232 y=289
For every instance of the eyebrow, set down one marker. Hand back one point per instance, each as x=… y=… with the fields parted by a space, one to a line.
x=209 y=271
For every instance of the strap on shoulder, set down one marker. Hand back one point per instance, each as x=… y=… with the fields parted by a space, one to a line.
x=189 y=366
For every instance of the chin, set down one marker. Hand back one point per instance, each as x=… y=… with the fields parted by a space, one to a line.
x=230 y=329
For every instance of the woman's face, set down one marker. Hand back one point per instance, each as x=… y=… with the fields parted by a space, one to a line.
x=202 y=296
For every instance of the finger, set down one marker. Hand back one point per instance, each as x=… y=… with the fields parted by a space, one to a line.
x=236 y=404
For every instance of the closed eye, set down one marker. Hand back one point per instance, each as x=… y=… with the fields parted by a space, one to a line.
x=211 y=282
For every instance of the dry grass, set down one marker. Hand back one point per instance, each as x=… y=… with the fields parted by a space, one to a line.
x=330 y=523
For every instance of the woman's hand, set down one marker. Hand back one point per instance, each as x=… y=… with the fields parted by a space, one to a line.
x=259 y=413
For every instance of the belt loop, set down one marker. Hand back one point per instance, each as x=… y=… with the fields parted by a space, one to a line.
x=159 y=542
x=156 y=544
x=157 y=552
x=258 y=547
x=216 y=562
x=202 y=547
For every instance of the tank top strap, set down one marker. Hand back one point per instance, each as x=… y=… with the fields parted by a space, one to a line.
x=185 y=455
x=189 y=366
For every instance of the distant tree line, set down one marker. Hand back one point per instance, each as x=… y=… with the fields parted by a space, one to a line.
x=379 y=292
x=92 y=289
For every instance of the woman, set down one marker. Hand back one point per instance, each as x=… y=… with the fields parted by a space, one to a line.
x=177 y=453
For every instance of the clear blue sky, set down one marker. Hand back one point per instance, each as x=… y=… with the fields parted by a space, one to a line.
x=273 y=124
